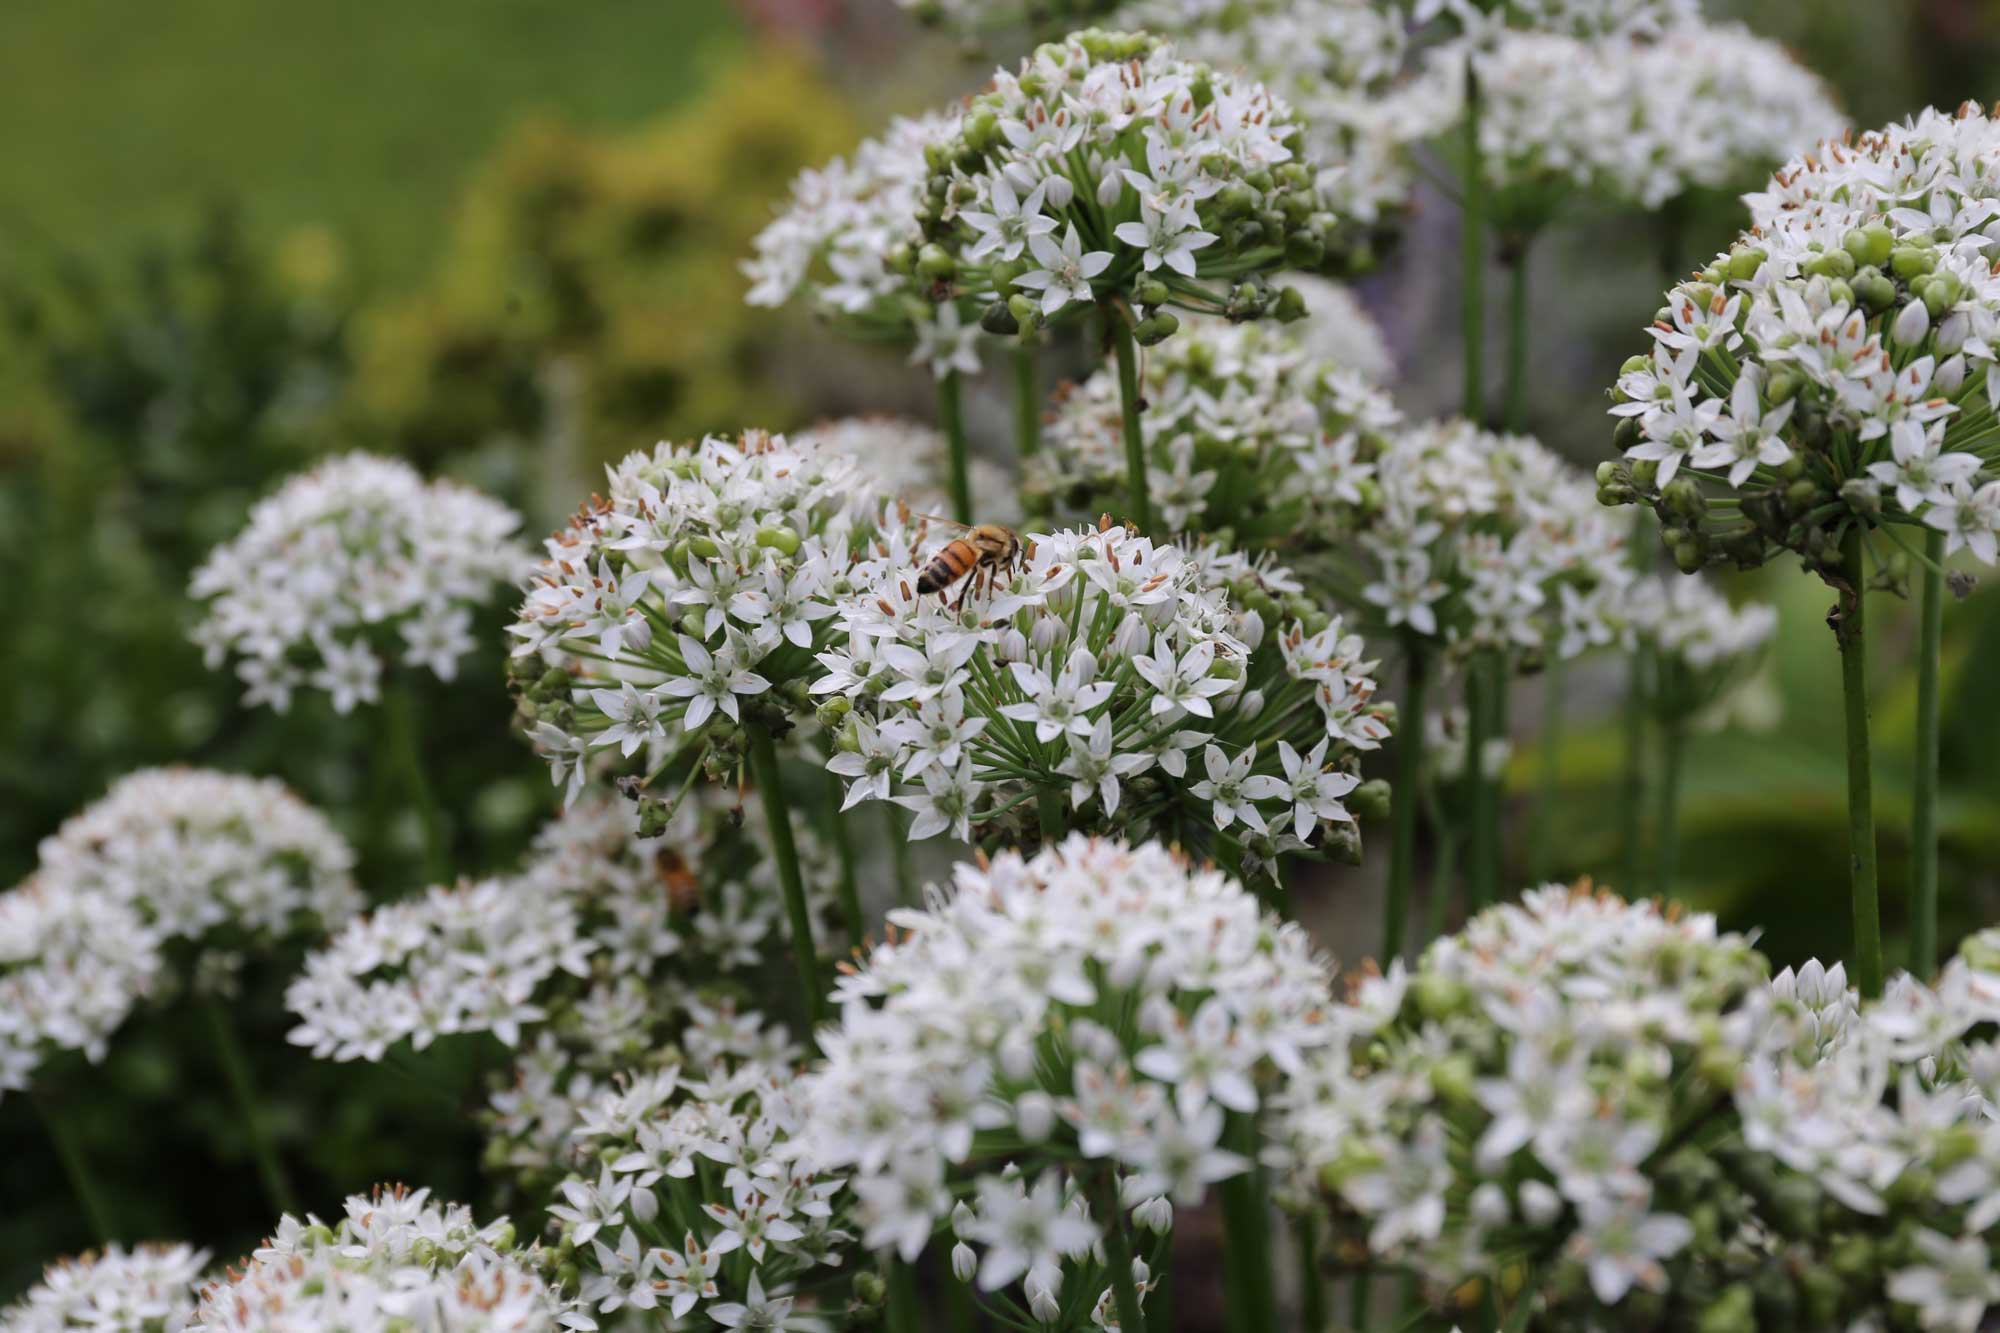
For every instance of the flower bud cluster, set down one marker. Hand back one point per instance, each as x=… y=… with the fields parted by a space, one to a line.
x=1483 y=541
x=1087 y=675
x=909 y=460
x=604 y=935
x=147 y=1289
x=1096 y=1010
x=395 y=1260
x=1249 y=436
x=698 y=1192
x=1703 y=647
x=687 y=602
x=1108 y=168
x=1831 y=371
x=356 y=562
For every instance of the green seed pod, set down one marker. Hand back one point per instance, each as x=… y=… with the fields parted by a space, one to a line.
x=1907 y=261
x=935 y=262
x=782 y=540
x=1873 y=289
x=999 y=321
x=1290 y=306
x=1150 y=291
x=1833 y=264
x=1371 y=800
x=1744 y=263
x=1304 y=249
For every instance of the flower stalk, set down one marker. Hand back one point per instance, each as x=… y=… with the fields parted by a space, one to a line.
x=1120 y=331
x=407 y=746
x=1485 y=689
x=243 y=1090
x=951 y=420
x=1403 y=797
x=763 y=760
x=1118 y=1252
x=1673 y=755
x=1850 y=631
x=1548 y=770
x=849 y=882
x=1514 y=252
x=1027 y=400
x=1246 y=1251
x=76 y=1167
x=1923 y=817
x=1472 y=236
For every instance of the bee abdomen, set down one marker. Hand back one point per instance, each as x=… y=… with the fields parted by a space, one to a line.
x=936 y=577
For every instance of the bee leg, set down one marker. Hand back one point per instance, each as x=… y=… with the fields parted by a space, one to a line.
x=964 y=588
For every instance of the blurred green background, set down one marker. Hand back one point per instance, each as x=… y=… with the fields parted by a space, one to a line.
x=501 y=237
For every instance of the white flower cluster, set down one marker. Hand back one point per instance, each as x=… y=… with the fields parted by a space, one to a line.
x=1524 y=1091
x=1088 y=675
x=602 y=933
x=706 y=577
x=907 y=460
x=701 y=1196
x=71 y=969
x=394 y=1261
x=353 y=562
x=193 y=851
x=1836 y=367
x=1704 y=647
x=835 y=232
x=1096 y=1009
x=1633 y=119
x=1339 y=329
x=1334 y=60
x=147 y=1289
x=1489 y=541
x=1576 y=18
x=1248 y=434
x=1109 y=166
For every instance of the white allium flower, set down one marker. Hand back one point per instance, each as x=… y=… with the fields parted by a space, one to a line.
x=394 y=1261
x=1100 y=657
x=193 y=850
x=1484 y=541
x=698 y=1192
x=1704 y=647
x=71 y=969
x=841 y=222
x=147 y=1289
x=1149 y=165
x=993 y=1002
x=1858 y=311
x=1632 y=118
x=698 y=588
x=907 y=460
x=1246 y=430
x=353 y=564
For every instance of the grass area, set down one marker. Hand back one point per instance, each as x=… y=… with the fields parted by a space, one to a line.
x=365 y=115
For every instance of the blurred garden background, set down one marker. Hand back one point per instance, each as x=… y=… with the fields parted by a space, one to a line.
x=501 y=238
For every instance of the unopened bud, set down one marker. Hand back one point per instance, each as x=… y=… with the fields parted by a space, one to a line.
x=1371 y=800
x=1912 y=324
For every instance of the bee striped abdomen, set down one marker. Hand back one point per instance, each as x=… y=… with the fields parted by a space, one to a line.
x=947 y=567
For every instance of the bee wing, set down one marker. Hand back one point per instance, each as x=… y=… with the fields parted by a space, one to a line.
x=939 y=519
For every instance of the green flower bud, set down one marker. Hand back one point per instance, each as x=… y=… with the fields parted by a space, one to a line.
x=1371 y=800
x=1833 y=264
x=1151 y=291
x=1744 y=263
x=1801 y=494
x=703 y=547
x=1235 y=201
x=1291 y=305
x=1782 y=386
x=1683 y=497
x=935 y=262
x=1941 y=293
x=1873 y=290
x=1452 y=1079
x=1437 y=997
x=782 y=540
x=1870 y=244
x=1026 y=310
x=1304 y=249
x=1690 y=555
x=1908 y=261
x=1645 y=473
x=1839 y=291
x=999 y=321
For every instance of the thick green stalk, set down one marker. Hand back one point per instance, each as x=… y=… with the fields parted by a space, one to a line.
x=1923 y=818
x=1444 y=873
x=763 y=759
x=899 y=852
x=1128 y=406
x=401 y=705
x=1515 y=402
x=904 y=1316
x=1485 y=683
x=1472 y=234
x=236 y=1071
x=1673 y=753
x=1851 y=633
x=1246 y=1250
x=1312 y=1282
x=76 y=1167
x=1638 y=703
x=951 y=420
x=1360 y=1298
x=1403 y=797
x=1118 y=1253
x=1052 y=814
x=1027 y=400
x=1548 y=771
x=843 y=847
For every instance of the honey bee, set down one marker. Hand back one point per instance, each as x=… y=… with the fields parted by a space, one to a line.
x=683 y=890
x=981 y=552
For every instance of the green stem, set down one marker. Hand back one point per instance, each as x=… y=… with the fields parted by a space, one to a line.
x=1027 y=401
x=951 y=420
x=1673 y=753
x=1444 y=874
x=1853 y=639
x=400 y=704
x=1486 y=684
x=843 y=846
x=763 y=757
x=1403 y=797
x=1515 y=402
x=236 y=1071
x=899 y=852
x=1360 y=1298
x=1923 y=818
x=903 y=1313
x=1246 y=1251
x=76 y=1167
x=1118 y=1254
x=1472 y=233
x=1128 y=408
x=1548 y=772
x=1632 y=836
x=1312 y=1282
x=1053 y=815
